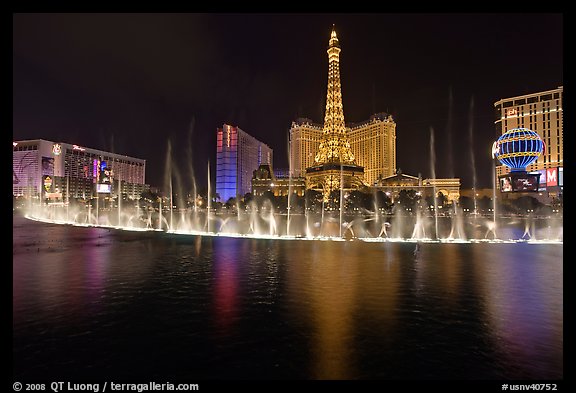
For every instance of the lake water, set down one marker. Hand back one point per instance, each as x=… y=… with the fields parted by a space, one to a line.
x=93 y=303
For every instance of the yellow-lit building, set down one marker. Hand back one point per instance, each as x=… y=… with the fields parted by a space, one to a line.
x=305 y=137
x=540 y=112
x=373 y=143
x=392 y=185
x=264 y=179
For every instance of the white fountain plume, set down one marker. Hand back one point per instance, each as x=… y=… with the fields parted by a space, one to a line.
x=267 y=222
x=471 y=152
x=209 y=200
x=433 y=170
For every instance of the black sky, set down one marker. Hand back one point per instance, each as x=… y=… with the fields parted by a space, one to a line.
x=129 y=83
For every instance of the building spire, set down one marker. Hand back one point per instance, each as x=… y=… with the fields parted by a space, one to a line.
x=334 y=147
x=333 y=38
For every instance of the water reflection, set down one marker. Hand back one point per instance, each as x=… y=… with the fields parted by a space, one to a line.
x=333 y=277
x=69 y=279
x=524 y=303
x=245 y=308
x=225 y=286
x=96 y=261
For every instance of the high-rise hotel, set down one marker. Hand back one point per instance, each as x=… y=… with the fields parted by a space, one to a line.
x=58 y=170
x=238 y=155
x=540 y=112
x=373 y=143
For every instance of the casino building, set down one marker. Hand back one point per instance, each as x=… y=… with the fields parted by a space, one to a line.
x=278 y=182
x=238 y=155
x=373 y=143
x=541 y=112
x=58 y=170
x=392 y=185
x=361 y=155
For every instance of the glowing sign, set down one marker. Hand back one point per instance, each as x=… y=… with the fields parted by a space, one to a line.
x=48 y=166
x=495 y=149
x=551 y=177
x=526 y=183
x=48 y=183
x=103 y=188
x=56 y=149
x=104 y=173
x=505 y=184
x=95 y=169
x=76 y=147
x=511 y=112
x=518 y=182
x=541 y=173
x=517 y=148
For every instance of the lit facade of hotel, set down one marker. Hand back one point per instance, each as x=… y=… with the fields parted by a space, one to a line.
x=278 y=182
x=238 y=155
x=392 y=185
x=305 y=137
x=373 y=143
x=72 y=170
x=540 y=112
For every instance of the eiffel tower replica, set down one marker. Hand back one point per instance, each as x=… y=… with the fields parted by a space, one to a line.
x=334 y=161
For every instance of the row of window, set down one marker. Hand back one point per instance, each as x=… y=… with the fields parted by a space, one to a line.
x=82 y=155
x=530 y=100
x=25 y=147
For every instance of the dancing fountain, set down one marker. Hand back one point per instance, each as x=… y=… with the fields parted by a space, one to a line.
x=333 y=221
x=264 y=222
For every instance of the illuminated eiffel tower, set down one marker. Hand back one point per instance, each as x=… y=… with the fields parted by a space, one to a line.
x=334 y=161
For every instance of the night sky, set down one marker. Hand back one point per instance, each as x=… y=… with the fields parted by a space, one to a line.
x=132 y=83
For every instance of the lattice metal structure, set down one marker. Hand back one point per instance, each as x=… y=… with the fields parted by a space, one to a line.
x=334 y=147
x=334 y=164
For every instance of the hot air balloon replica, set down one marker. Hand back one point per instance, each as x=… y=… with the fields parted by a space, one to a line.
x=517 y=148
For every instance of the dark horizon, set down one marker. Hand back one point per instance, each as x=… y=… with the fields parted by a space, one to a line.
x=130 y=83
